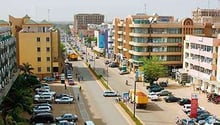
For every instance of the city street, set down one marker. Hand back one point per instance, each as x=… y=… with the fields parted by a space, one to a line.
x=156 y=112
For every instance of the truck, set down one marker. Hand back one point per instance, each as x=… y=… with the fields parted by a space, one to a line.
x=140 y=98
x=73 y=57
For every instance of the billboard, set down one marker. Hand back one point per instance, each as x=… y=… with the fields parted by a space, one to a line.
x=101 y=40
x=194 y=105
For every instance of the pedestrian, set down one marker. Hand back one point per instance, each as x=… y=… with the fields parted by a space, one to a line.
x=79 y=79
x=65 y=86
x=78 y=97
x=80 y=88
x=76 y=75
x=177 y=120
x=82 y=78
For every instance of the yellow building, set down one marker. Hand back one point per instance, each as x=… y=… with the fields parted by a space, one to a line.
x=38 y=44
x=144 y=35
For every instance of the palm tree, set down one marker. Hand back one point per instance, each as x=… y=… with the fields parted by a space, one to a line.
x=26 y=68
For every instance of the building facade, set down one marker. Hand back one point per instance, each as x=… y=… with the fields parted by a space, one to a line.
x=206 y=15
x=202 y=62
x=38 y=43
x=144 y=36
x=81 y=22
x=7 y=54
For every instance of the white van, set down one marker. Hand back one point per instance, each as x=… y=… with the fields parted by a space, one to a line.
x=187 y=108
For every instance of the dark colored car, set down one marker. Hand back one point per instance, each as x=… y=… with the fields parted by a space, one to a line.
x=163 y=84
x=184 y=101
x=171 y=99
x=113 y=64
x=68 y=117
x=156 y=89
x=187 y=122
x=42 y=118
x=202 y=117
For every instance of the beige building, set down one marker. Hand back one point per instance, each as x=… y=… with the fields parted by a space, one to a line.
x=142 y=35
x=81 y=22
x=206 y=15
x=38 y=43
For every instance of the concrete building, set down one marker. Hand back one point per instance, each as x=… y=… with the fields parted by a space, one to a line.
x=142 y=35
x=202 y=62
x=81 y=22
x=7 y=54
x=206 y=15
x=38 y=43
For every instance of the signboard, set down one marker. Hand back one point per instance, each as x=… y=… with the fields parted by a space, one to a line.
x=194 y=105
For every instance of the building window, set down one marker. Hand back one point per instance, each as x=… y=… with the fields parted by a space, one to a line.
x=48 y=59
x=48 y=69
x=39 y=59
x=48 y=49
x=38 y=69
x=38 y=39
x=38 y=49
x=48 y=39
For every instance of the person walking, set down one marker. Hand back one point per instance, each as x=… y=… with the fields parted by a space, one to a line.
x=78 y=97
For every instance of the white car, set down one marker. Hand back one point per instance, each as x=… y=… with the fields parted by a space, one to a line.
x=64 y=99
x=153 y=96
x=40 y=109
x=110 y=93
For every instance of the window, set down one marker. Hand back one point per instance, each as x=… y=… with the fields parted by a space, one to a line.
x=48 y=49
x=38 y=49
x=48 y=39
x=39 y=59
x=39 y=69
x=38 y=39
x=48 y=69
x=48 y=58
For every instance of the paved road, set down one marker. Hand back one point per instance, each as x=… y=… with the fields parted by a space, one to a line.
x=103 y=110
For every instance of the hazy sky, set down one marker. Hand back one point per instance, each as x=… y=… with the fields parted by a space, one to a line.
x=64 y=10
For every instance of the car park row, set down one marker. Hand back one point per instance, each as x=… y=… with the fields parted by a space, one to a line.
x=43 y=109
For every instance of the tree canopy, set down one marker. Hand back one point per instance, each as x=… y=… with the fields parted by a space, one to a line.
x=153 y=69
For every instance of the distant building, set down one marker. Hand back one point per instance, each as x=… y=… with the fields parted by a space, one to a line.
x=144 y=35
x=206 y=15
x=7 y=54
x=38 y=43
x=81 y=22
x=202 y=62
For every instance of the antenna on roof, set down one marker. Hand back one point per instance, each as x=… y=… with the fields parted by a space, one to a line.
x=145 y=8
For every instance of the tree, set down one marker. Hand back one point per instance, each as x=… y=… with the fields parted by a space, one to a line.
x=26 y=68
x=153 y=69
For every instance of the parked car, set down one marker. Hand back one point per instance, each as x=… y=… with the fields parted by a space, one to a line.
x=187 y=122
x=71 y=82
x=202 y=117
x=44 y=104
x=186 y=108
x=49 y=79
x=113 y=64
x=153 y=96
x=122 y=72
x=63 y=95
x=156 y=89
x=89 y=123
x=41 y=109
x=163 y=84
x=69 y=76
x=107 y=62
x=171 y=99
x=48 y=99
x=65 y=122
x=164 y=93
x=184 y=101
x=109 y=93
x=66 y=100
x=42 y=118
x=68 y=117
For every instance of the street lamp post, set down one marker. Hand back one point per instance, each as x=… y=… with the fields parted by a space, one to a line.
x=135 y=81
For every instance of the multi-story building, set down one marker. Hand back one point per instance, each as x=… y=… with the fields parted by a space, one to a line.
x=206 y=15
x=7 y=54
x=38 y=43
x=81 y=22
x=202 y=62
x=144 y=36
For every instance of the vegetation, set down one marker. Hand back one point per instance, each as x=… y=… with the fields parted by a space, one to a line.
x=137 y=121
x=90 y=39
x=153 y=69
x=19 y=99
x=63 y=48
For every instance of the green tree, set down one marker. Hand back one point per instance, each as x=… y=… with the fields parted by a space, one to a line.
x=153 y=69
x=26 y=68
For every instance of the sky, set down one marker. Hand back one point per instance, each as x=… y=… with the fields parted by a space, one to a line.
x=64 y=10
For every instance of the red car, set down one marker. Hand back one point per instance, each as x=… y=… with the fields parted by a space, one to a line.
x=70 y=82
